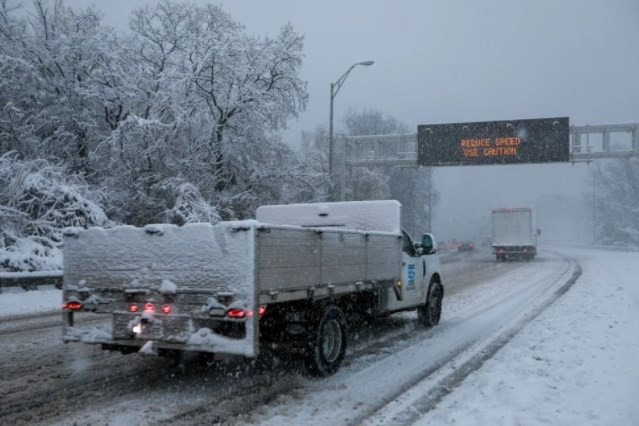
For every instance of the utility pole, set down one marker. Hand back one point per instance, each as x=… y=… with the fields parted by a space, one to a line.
x=430 y=200
x=331 y=148
x=594 y=207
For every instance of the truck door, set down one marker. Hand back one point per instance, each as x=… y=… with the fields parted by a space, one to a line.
x=410 y=293
x=430 y=261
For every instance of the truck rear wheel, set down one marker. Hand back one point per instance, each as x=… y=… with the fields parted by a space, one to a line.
x=327 y=342
x=430 y=313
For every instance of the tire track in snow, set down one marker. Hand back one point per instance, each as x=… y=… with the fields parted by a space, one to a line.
x=55 y=381
x=381 y=338
x=13 y=318
x=29 y=324
x=358 y=391
x=448 y=384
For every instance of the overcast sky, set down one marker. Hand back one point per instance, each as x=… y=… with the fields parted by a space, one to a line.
x=457 y=61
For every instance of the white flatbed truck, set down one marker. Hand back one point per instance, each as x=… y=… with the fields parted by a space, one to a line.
x=292 y=278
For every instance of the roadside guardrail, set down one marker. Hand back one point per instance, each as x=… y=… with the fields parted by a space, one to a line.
x=30 y=280
x=628 y=249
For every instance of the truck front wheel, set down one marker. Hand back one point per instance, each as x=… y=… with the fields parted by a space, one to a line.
x=327 y=342
x=430 y=312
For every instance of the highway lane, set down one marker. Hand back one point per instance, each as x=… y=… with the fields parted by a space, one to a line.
x=45 y=380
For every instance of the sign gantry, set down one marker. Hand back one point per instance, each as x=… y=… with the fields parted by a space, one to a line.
x=494 y=142
x=586 y=143
x=498 y=142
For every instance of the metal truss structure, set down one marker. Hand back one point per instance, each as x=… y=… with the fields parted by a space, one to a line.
x=587 y=143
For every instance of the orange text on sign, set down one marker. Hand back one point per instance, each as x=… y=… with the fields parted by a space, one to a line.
x=488 y=148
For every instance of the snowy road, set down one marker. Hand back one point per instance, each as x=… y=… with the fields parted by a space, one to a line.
x=519 y=343
x=474 y=320
x=46 y=381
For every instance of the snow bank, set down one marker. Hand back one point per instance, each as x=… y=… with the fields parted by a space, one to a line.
x=206 y=337
x=379 y=215
x=149 y=348
x=15 y=301
x=575 y=364
x=168 y=287
x=87 y=335
x=35 y=274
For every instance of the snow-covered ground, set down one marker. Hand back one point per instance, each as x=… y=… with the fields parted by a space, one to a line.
x=471 y=320
x=15 y=301
x=575 y=364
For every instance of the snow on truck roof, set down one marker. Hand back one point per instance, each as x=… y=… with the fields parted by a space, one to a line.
x=381 y=216
x=376 y=216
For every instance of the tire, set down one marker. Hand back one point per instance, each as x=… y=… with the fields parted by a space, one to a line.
x=327 y=342
x=430 y=313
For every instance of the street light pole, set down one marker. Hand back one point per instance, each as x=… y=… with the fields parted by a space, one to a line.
x=334 y=90
x=330 y=136
x=430 y=200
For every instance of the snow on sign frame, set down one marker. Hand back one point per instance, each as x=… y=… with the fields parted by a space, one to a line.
x=544 y=140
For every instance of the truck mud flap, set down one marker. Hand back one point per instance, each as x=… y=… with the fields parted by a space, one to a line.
x=397 y=289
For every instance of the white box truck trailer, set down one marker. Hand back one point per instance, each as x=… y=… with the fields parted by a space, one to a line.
x=514 y=233
x=291 y=280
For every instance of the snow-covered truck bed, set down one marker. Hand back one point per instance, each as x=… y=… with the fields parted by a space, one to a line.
x=203 y=287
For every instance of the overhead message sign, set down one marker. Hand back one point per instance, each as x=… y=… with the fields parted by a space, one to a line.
x=494 y=142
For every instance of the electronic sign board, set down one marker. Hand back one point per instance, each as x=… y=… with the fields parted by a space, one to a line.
x=494 y=142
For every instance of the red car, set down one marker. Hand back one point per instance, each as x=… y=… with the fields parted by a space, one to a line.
x=466 y=246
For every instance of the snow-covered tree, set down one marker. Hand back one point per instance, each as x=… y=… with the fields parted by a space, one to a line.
x=188 y=205
x=53 y=66
x=411 y=187
x=178 y=120
x=37 y=200
x=372 y=122
x=617 y=202
x=214 y=100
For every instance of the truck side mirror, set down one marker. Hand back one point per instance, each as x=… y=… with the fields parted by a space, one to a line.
x=428 y=245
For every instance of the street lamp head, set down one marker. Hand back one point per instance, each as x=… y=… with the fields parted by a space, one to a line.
x=367 y=63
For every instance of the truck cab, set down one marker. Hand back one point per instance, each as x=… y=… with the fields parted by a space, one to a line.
x=420 y=270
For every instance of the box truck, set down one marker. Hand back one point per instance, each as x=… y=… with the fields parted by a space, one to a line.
x=514 y=234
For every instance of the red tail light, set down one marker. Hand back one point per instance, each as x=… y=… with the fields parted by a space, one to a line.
x=74 y=306
x=149 y=307
x=133 y=307
x=236 y=313
x=166 y=309
x=241 y=313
